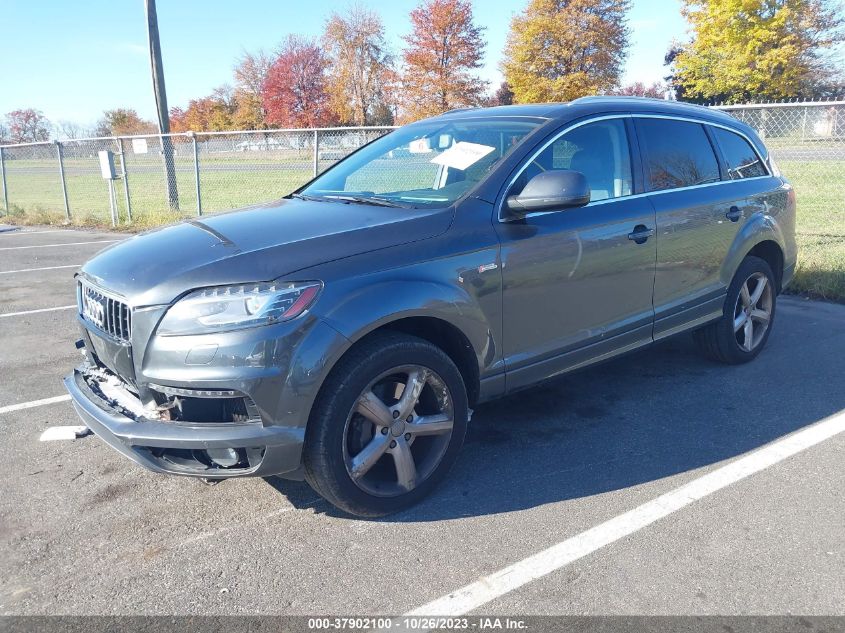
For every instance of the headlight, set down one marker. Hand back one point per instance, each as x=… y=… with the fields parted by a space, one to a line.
x=237 y=307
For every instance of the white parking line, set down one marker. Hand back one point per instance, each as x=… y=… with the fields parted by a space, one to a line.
x=32 y=270
x=18 y=248
x=11 y=314
x=33 y=403
x=541 y=564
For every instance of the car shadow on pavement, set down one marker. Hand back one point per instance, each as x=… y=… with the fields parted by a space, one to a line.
x=637 y=419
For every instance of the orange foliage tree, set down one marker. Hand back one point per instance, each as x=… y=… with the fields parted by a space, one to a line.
x=208 y=114
x=360 y=65
x=442 y=51
x=294 y=93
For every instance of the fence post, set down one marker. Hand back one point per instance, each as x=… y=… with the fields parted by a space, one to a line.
x=316 y=153
x=124 y=178
x=170 y=183
x=3 y=174
x=62 y=176
x=193 y=137
x=804 y=124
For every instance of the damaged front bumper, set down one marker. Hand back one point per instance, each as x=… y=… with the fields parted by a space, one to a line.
x=206 y=449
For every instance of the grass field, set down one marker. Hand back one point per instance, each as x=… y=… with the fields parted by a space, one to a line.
x=820 y=228
x=35 y=197
x=35 y=194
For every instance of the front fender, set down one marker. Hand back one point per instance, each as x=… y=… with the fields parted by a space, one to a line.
x=369 y=307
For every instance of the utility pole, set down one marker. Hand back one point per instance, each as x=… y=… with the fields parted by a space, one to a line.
x=161 y=104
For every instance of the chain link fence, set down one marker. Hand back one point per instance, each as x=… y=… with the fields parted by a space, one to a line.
x=160 y=178
x=807 y=141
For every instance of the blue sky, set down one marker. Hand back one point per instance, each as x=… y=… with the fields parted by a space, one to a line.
x=74 y=59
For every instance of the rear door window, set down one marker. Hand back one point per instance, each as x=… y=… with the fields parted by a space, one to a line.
x=743 y=161
x=677 y=154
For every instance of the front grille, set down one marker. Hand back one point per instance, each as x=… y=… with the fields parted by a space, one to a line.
x=105 y=312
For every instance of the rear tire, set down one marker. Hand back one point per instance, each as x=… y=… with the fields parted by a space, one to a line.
x=387 y=425
x=749 y=313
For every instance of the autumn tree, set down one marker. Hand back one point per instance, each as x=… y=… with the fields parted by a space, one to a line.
x=359 y=65
x=504 y=94
x=442 y=52
x=27 y=126
x=208 y=114
x=70 y=130
x=655 y=90
x=294 y=94
x=559 y=50
x=123 y=122
x=250 y=74
x=177 y=120
x=757 y=49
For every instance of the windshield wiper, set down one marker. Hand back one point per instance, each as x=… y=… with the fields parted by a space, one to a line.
x=302 y=196
x=373 y=200
x=376 y=201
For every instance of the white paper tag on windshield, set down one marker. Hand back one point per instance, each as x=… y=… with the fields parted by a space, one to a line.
x=461 y=155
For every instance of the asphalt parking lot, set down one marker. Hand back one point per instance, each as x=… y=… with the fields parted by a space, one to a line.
x=84 y=531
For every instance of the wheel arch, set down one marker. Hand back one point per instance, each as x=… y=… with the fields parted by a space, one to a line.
x=446 y=315
x=448 y=338
x=762 y=237
x=770 y=252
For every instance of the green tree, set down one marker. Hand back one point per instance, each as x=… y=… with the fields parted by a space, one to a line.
x=757 y=49
x=559 y=50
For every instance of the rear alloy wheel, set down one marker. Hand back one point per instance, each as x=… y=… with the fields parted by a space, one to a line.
x=748 y=315
x=387 y=426
x=753 y=311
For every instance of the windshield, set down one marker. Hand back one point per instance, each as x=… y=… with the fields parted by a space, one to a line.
x=425 y=164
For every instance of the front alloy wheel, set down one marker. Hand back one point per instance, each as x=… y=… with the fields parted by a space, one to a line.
x=387 y=425
x=398 y=430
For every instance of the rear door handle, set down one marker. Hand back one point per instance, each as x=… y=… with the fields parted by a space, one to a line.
x=734 y=214
x=640 y=234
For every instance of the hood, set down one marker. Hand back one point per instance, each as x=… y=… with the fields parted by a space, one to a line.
x=260 y=243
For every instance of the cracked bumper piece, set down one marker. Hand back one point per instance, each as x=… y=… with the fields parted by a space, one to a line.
x=189 y=449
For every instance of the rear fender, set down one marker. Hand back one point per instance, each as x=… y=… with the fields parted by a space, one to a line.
x=760 y=227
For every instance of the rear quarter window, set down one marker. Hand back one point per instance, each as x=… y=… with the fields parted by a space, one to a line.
x=677 y=154
x=743 y=161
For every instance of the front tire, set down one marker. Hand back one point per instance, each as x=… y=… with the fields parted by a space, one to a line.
x=387 y=425
x=749 y=312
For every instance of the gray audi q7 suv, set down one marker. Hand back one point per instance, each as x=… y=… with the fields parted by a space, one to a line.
x=344 y=334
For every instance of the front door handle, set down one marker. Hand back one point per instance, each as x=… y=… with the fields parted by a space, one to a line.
x=734 y=214
x=640 y=234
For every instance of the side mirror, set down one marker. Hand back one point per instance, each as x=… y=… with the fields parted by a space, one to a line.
x=553 y=190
